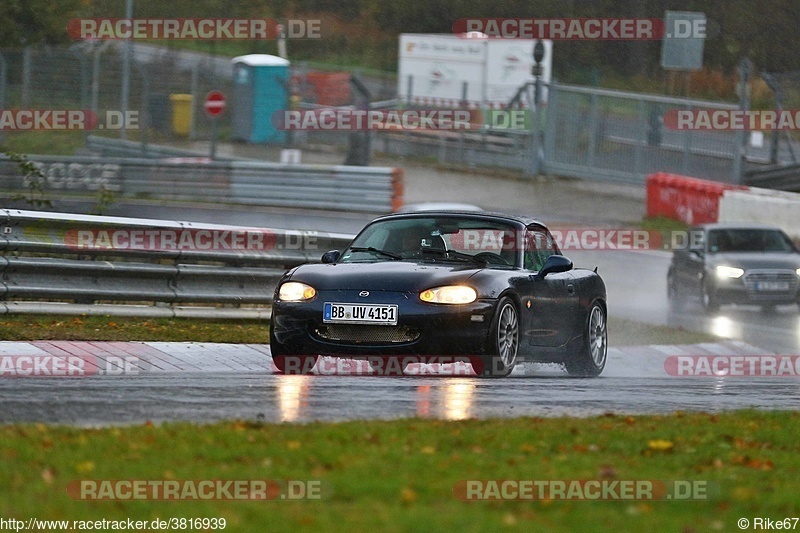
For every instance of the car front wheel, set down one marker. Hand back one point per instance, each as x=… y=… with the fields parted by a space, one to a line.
x=591 y=359
x=287 y=363
x=503 y=341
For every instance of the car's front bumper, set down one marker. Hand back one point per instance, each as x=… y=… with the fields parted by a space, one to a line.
x=750 y=288
x=422 y=328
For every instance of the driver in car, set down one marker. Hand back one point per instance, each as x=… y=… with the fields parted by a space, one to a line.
x=409 y=243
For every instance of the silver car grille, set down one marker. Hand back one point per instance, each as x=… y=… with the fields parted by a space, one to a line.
x=753 y=277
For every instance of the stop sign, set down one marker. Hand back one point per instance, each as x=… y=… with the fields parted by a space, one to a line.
x=214 y=104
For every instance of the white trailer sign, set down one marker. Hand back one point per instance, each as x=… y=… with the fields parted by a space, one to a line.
x=441 y=68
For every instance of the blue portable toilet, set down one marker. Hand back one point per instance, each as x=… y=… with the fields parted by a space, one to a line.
x=260 y=88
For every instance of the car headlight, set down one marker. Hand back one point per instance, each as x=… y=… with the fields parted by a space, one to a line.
x=294 y=291
x=798 y=271
x=729 y=272
x=451 y=294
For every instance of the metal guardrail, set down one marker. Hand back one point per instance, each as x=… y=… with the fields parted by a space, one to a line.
x=782 y=177
x=337 y=187
x=108 y=147
x=78 y=264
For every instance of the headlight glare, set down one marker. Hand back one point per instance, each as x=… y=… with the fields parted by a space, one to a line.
x=294 y=291
x=450 y=294
x=724 y=272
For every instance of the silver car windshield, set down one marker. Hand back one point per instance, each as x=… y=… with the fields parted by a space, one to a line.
x=748 y=240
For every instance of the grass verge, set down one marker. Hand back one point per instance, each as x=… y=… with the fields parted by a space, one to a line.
x=114 y=328
x=107 y=328
x=44 y=142
x=399 y=475
x=663 y=224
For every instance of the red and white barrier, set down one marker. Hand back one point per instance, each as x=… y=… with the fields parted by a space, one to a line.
x=690 y=200
x=697 y=201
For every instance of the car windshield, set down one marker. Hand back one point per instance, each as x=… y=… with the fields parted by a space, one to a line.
x=436 y=239
x=748 y=240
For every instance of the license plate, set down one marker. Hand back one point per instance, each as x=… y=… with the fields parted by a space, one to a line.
x=772 y=286
x=360 y=313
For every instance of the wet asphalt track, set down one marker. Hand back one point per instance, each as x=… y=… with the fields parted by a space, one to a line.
x=214 y=382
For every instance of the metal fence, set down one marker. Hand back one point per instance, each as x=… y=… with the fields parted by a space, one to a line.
x=90 y=76
x=585 y=132
x=783 y=171
x=621 y=136
x=66 y=263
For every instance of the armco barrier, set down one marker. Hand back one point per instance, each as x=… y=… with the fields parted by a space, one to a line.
x=335 y=187
x=763 y=206
x=80 y=264
x=690 y=200
x=109 y=147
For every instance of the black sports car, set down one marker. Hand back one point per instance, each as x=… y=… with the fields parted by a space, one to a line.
x=735 y=263
x=430 y=285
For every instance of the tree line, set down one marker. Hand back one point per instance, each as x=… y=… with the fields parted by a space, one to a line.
x=365 y=32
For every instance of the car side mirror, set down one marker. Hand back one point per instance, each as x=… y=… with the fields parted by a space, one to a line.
x=331 y=256
x=555 y=264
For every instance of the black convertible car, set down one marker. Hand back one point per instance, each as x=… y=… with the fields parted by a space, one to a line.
x=735 y=263
x=430 y=285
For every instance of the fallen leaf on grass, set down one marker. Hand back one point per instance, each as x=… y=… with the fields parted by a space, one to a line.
x=660 y=445
x=755 y=464
x=607 y=472
x=408 y=496
x=84 y=467
x=744 y=493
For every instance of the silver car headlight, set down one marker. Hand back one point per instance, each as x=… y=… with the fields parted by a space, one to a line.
x=726 y=272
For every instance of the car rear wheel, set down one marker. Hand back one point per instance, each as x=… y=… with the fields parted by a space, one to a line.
x=503 y=341
x=675 y=298
x=709 y=298
x=591 y=360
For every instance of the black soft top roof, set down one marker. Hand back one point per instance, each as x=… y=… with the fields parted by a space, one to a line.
x=520 y=219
